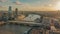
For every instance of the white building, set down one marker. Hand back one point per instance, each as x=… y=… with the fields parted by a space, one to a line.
x=32 y=17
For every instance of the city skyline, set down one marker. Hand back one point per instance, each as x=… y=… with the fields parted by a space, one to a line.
x=31 y=5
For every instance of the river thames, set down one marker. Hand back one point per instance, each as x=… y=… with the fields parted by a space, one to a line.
x=13 y=29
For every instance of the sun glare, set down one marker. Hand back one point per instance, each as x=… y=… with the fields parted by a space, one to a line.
x=57 y=7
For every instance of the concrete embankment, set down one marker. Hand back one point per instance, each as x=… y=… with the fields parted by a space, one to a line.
x=24 y=23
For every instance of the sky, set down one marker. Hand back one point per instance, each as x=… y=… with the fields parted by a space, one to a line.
x=31 y=5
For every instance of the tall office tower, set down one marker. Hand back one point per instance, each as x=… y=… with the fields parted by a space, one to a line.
x=16 y=12
x=9 y=11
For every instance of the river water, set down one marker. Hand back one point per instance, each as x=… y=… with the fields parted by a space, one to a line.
x=13 y=29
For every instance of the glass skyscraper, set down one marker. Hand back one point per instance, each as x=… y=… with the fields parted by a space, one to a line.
x=16 y=12
x=9 y=11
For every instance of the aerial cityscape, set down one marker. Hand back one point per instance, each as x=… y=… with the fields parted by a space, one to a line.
x=29 y=16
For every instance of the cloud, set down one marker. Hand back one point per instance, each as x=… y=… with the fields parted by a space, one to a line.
x=3 y=0
x=27 y=6
x=17 y=3
x=48 y=5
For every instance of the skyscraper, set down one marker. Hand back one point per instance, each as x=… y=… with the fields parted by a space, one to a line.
x=16 y=12
x=9 y=11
